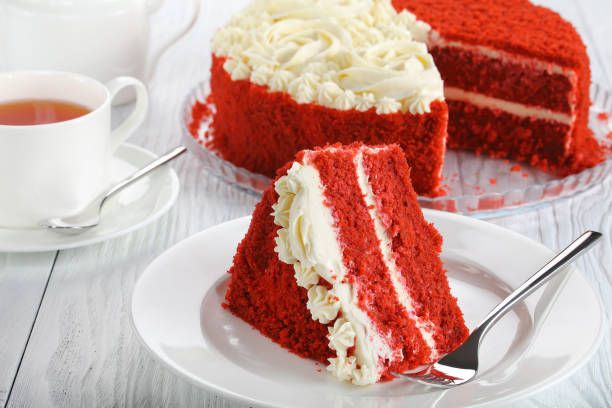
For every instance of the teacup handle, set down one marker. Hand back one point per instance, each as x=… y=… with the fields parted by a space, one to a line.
x=125 y=129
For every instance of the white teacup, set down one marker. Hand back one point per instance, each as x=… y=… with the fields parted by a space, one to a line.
x=56 y=169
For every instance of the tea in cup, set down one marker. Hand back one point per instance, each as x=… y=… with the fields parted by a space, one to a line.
x=39 y=112
x=56 y=142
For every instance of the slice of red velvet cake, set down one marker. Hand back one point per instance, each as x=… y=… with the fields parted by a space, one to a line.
x=516 y=80
x=294 y=75
x=340 y=266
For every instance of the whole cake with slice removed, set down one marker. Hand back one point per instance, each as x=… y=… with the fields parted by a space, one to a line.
x=340 y=266
x=295 y=74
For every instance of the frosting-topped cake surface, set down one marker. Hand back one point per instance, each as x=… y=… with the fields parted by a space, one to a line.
x=344 y=54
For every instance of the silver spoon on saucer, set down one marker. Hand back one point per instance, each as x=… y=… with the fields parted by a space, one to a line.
x=89 y=217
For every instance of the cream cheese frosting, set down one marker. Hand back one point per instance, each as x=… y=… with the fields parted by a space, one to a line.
x=307 y=240
x=342 y=54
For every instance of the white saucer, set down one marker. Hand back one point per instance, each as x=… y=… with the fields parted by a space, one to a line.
x=135 y=207
x=177 y=313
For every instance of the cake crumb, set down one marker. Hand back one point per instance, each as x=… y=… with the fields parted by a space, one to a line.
x=319 y=370
x=506 y=161
x=516 y=167
x=603 y=116
x=609 y=136
x=493 y=180
x=525 y=175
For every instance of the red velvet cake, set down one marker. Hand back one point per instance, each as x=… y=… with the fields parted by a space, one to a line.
x=339 y=266
x=516 y=80
x=293 y=75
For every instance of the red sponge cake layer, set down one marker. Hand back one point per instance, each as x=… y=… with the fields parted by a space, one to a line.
x=541 y=143
x=507 y=79
x=338 y=253
x=262 y=130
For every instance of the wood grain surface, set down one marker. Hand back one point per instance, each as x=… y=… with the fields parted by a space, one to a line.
x=74 y=333
x=23 y=280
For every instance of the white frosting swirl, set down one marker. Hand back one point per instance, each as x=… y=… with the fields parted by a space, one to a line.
x=362 y=46
x=283 y=247
x=387 y=105
x=305 y=277
x=323 y=304
x=329 y=92
x=343 y=367
x=364 y=376
x=341 y=335
x=280 y=80
x=262 y=74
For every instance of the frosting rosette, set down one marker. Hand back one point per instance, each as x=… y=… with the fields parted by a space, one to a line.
x=343 y=54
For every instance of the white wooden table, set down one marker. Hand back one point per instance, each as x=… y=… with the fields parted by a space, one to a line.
x=65 y=336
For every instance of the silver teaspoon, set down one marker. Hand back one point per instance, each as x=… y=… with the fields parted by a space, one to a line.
x=89 y=217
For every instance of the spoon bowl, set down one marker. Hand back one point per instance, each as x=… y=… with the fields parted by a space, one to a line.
x=89 y=217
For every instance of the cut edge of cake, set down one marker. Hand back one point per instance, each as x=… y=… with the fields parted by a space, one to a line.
x=517 y=81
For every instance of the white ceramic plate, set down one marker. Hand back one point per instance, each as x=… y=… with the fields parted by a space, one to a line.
x=133 y=208
x=177 y=313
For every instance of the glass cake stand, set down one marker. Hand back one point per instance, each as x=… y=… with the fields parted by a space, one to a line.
x=477 y=186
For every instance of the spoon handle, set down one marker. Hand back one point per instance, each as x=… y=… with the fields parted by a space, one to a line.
x=177 y=151
x=566 y=256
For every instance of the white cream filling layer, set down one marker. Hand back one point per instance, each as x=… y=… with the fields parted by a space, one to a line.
x=426 y=328
x=342 y=54
x=513 y=108
x=307 y=240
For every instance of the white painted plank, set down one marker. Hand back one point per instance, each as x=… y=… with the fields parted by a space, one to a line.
x=83 y=351
x=23 y=278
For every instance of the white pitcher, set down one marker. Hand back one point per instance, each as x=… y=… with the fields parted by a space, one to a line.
x=99 y=38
